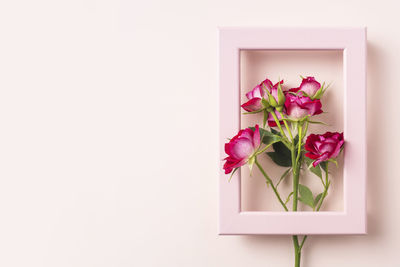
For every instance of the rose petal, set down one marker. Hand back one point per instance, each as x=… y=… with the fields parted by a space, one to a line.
x=241 y=148
x=253 y=104
x=309 y=86
x=322 y=158
x=257 y=92
x=231 y=164
x=256 y=138
x=323 y=147
x=311 y=155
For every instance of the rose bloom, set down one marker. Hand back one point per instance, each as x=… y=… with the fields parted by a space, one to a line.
x=309 y=86
x=255 y=96
x=241 y=147
x=322 y=147
x=298 y=106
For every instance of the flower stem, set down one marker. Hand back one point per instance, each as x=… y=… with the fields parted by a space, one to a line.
x=287 y=126
x=272 y=185
x=295 y=177
x=278 y=123
x=296 y=164
x=264 y=149
x=297 y=251
x=302 y=242
x=325 y=193
x=300 y=130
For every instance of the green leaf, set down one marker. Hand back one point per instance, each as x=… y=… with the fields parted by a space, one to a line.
x=317 y=170
x=279 y=160
x=281 y=155
x=275 y=131
x=306 y=196
x=317 y=199
x=324 y=165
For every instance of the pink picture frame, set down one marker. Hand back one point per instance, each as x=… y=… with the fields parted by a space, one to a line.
x=352 y=41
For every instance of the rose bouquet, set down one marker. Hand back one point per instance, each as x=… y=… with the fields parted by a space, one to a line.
x=286 y=116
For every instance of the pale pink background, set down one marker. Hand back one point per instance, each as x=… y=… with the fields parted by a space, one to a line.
x=325 y=65
x=87 y=89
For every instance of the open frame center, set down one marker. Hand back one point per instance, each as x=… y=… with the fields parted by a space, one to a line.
x=288 y=65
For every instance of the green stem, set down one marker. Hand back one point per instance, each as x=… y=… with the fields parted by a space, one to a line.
x=296 y=167
x=300 y=130
x=296 y=164
x=272 y=185
x=325 y=193
x=295 y=178
x=287 y=126
x=263 y=150
x=278 y=124
x=302 y=242
x=297 y=251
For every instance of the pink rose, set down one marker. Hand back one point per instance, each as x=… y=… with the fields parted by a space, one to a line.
x=241 y=147
x=255 y=95
x=309 y=86
x=298 y=106
x=322 y=147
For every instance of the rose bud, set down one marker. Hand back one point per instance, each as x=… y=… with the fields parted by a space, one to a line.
x=281 y=98
x=276 y=96
x=258 y=93
x=310 y=87
x=258 y=100
x=242 y=148
x=254 y=96
x=322 y=147
x=298 y=107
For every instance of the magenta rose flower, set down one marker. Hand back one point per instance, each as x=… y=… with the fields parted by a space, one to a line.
x=309 y=86
x=322 y=147
x=258 y=92
x=241 y=148
x=298 y=106
x=255 y=96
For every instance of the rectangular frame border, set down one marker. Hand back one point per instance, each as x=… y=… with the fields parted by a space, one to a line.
x=353 y=43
